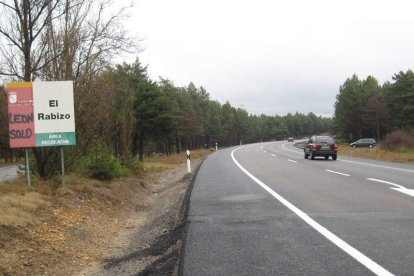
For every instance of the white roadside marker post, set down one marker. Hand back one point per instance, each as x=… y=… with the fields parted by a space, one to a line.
x=216 y=146
x=188 y=162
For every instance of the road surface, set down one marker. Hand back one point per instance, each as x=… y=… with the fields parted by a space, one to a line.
x=263 y=209
x=8 y=172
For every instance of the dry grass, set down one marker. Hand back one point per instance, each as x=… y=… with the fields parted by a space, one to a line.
x=377 y=153
x=17 y=209
x=18 y=202
x=169 y=161
x=18 y=185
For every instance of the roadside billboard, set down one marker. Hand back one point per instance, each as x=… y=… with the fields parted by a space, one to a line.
x=41 y=114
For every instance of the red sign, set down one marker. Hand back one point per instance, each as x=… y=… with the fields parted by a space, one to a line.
x=21 y=121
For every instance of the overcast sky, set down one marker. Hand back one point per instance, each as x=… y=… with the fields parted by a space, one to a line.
x=274 y=57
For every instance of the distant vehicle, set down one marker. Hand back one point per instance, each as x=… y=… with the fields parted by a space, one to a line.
x=290 y=139
x=365 y=142
x=321 y=146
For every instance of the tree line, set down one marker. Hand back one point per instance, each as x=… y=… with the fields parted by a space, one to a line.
x=364 y=108
x=120 y=105
x=135 y=116
x=176 y=118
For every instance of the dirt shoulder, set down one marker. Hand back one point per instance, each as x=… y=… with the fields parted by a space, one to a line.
x=131 y=226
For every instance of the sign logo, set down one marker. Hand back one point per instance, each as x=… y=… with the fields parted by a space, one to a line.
x=12 y=98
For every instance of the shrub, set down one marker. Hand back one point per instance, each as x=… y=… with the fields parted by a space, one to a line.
x=132 y=164
x=100 y=163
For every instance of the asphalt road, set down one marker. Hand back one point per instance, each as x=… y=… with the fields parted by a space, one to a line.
x=8 y=172
x=263 y=209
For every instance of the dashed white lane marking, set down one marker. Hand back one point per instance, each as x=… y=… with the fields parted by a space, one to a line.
x=344 y=174
x=293 y=161
x=399 y=188
x=357 y=255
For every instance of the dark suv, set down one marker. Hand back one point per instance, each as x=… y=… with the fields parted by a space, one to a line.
x=321 y=146
x=366 y=142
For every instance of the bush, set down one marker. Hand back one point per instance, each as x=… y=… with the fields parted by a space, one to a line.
x=132 y=164
x=402 y=138
x=100 y=163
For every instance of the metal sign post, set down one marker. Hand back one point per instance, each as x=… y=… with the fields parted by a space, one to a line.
x=62 y=156
x=28 y=168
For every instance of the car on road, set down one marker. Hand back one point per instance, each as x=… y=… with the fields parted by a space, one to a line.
x=365 y=142
x=290 y=139
x=321 y=146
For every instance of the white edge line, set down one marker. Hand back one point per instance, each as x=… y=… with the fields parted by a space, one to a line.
x=386 y=182
x=293 y=161
x=357 y=255
x=344 y=174
x=379 y=166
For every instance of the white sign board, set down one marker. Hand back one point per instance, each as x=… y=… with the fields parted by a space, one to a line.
x=54 y=115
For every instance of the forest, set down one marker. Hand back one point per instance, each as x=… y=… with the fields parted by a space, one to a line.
x=364 y=108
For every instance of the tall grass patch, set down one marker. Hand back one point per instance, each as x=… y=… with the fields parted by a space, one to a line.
x=399 y=140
